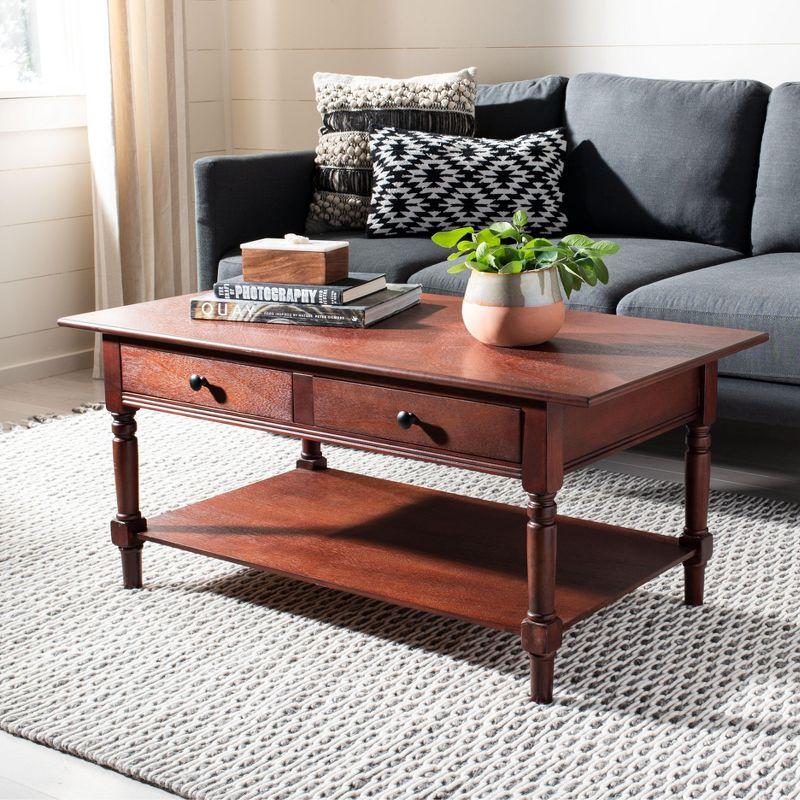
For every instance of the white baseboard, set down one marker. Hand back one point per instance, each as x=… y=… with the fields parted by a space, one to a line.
x=45 y=367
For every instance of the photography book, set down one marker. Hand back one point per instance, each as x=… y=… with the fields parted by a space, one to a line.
x=374 y=308
x=354 y=287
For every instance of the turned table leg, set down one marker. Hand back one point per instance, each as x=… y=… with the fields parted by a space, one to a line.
x=695 y=533
x=128 y=522
x=541 y=629
x=311 y=455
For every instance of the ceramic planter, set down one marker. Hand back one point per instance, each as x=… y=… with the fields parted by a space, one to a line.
x=513 y=310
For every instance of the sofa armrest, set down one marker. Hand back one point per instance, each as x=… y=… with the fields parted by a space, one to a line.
x=241 y=198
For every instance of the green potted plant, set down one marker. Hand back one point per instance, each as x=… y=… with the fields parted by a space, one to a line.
x=514 y=294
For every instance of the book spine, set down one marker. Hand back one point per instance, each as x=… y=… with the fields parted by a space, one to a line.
x=292 y=313
x=279 y=293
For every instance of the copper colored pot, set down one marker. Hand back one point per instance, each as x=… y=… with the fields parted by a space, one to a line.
x=513 y=310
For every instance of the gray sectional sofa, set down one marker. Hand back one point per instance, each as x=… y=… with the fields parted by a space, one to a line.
x=699 y=181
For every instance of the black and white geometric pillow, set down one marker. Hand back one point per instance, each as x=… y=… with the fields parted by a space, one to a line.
x=425 y=182
x=350 y=106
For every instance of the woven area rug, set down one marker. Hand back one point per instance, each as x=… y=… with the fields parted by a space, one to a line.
x=219 y=682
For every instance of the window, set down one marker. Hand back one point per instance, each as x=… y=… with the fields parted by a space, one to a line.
x=39 y=47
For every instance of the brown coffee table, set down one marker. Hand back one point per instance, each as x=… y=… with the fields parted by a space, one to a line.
x=418 y=385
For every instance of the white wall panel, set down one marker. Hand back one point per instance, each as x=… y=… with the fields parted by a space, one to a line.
x=204 y=24
x=42 y=193
x=41 y=113
x=275 y=46
x=206 y=126
x=204 y=75
x=43 y=148
x=47 y=352
x=46 y=258
x=36 y=304
x=274 y=124
x=45 y=248
x=286 y=74
x=321 y=24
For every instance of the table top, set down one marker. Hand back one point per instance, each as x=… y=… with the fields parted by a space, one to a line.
x=594 y=357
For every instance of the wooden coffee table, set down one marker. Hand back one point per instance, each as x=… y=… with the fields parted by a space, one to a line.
x=419 y=386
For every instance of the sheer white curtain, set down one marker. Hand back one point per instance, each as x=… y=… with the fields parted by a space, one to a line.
x=138 y=144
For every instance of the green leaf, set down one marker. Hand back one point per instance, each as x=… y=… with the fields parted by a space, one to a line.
x=600 y=268
x=539 y=244
x=481 y=251
x=456 y=268
x=504 y=230
x=466 y=244
x=587 y=270
x=547 y=256
x=450 y=239
x=566 y=280
x=576 y=240
x=575 y=274
x=488 y=237
x=520 y=218
x=453 y=256
x=505 y=253
x=603 y=248
x=511 y=268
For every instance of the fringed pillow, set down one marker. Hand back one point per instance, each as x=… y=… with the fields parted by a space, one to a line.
x=350 y=106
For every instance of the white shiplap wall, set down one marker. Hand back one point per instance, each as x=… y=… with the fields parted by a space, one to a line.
x=207 y=77
x=251 y=61
x=46 y=262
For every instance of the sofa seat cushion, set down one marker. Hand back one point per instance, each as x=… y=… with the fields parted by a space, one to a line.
x=662 y=158
x=639 y=261
x=398 y=257
x=759 y=293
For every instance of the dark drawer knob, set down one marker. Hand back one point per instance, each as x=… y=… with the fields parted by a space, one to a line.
x=405 y=419
x=197 y=382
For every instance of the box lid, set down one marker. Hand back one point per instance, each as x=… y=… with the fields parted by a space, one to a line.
x=314 y=246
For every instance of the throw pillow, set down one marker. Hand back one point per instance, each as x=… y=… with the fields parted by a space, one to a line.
x=350 y=106
x=426 y=182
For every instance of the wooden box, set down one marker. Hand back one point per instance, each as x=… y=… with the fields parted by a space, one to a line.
x=281 y=261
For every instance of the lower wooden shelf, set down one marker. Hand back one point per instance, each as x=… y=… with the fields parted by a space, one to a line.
x=413 y=547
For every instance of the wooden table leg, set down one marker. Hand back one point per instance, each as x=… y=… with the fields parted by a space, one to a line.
x=129 y=522
x=311 y=455
x=695 y=533
x=541 y=630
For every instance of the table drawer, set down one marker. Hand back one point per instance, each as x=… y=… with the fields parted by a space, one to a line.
x=242 y=388
x=446 y=423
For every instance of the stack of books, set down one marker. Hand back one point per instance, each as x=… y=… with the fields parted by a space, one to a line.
x=358 y=301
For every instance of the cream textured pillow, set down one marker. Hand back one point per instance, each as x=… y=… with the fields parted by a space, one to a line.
x=350 y=106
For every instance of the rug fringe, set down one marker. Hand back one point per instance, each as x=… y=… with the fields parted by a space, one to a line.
x=42 y=419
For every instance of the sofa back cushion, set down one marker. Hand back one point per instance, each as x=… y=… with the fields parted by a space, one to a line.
x=509 y=110
x=659 y=158
x=776 y=215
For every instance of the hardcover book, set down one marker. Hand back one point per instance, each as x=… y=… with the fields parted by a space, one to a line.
x=354 y=287
x=374 y=308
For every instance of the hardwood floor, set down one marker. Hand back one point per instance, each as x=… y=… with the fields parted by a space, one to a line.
x=56 y=395
x=30 y=771
x=756 y=459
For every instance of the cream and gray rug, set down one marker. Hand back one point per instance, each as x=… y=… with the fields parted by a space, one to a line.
x=219 y=682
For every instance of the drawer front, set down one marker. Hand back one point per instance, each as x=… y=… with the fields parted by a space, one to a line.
x=242 y=388
x=445 y=423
